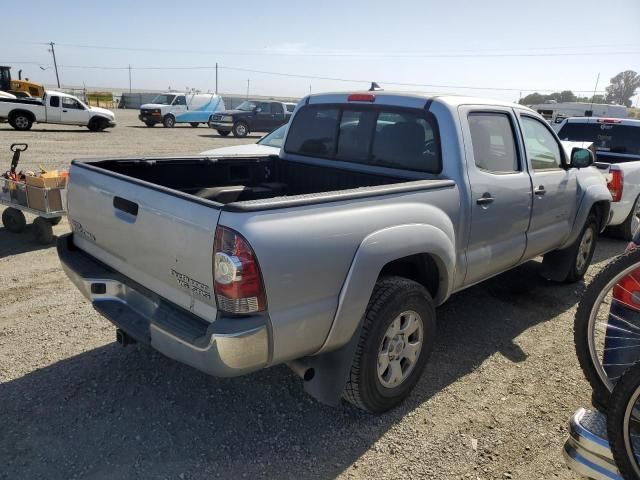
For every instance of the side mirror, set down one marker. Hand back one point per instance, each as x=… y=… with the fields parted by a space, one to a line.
x=581 y=158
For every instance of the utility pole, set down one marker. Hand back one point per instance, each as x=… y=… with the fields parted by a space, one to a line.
x=248 y=80
x=129 y=78
x=593 y=98
x=216 y=78
x=55 y=64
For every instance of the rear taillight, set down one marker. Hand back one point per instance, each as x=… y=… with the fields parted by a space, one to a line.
x=615 y=185
x=609 y=120
x=237 y=279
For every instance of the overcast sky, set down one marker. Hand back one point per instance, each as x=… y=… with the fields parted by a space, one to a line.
x=438 y=46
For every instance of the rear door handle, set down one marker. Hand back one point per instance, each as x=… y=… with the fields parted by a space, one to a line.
x=485 y=199
x=540 y=190
x=125 y=205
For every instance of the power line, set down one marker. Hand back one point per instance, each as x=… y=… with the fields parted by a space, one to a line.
x=468 y=53
x=304 y=76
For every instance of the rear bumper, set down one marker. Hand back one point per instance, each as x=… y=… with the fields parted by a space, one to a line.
x=587 y=451
x=226 y=347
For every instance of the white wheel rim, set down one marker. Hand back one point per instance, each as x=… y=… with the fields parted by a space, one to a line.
x=584 y=249
x=400 y=349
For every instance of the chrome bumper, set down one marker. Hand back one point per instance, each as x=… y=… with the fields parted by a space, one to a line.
x=226 y=347
x=587 y=451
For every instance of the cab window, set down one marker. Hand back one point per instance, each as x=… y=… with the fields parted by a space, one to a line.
x=54 y=101
x=542 y=148
x=71 y=103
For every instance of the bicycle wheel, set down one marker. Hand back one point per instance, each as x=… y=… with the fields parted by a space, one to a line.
x=623 y=424
x=607 y=325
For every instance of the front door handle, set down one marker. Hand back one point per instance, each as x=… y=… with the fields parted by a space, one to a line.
x=540 y=191
x=485 y=199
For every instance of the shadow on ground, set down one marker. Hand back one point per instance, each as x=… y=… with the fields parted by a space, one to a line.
x=16 y=243
x=123 y=413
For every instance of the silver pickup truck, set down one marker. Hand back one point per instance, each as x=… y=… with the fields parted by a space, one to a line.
x=332 y=256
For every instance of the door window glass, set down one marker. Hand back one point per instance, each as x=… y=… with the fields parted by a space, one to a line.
x=54 y=102
x=276 y=108
x=542 y=148
x=494 y=146
x=180 y=100
x=71 y=103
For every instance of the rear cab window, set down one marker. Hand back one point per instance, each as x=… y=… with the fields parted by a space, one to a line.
x=607 y=137
x=376 y=135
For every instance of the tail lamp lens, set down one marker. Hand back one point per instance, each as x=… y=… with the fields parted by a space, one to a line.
x=627 y=290
x=615 y=185
x=237 y=279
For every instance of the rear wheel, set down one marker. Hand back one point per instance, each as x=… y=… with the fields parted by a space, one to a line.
x=623 y=423
x=42 y=231
x=223 y=133
x=13 y=220
x=396 y=341
x=626 y=229
x=21 y=121
x=240 y=129
x=169 y=121
x=194 y=124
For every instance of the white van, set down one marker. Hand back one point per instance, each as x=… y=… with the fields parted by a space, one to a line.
x=555 y=113
x=176 y=107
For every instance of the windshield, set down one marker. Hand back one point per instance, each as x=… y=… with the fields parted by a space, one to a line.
x=247 y=106
x=164 y=99
x=274 y=139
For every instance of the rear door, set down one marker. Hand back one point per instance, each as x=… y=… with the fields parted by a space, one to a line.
x=158 y=238
x=53 y=109
x=554 y=187
x=500 y=191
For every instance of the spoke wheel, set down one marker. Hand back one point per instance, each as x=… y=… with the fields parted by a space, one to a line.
x=400 y=349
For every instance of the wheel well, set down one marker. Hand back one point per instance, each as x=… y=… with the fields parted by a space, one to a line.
x=421 y=268
x=601 y=210
x=25 y=112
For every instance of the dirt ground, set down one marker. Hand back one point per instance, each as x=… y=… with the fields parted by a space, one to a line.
x=493 y=402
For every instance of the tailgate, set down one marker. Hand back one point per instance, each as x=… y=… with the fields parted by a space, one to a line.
x=158 y=238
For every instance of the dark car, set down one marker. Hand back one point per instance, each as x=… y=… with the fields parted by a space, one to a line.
x=251 y=116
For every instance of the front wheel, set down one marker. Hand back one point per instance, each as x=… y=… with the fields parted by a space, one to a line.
x=396 y=341
x=150 y=124
x=194 y=124
x=223 y=133
x=169 y=121
x=583 y=249
x=97 y=125
x=240 y=129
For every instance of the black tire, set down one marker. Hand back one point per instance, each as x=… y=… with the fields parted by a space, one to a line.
x=97 y=124
x=223 y=133
x=622 y=403
x=194 y=124
x=13 y=220
x=150 y=124
x=600 y=391
x=627 y=228
x=391 y=297
x=240 y=129
x=576 y=272
x=21 y=121
x=169 y=121
x=55 y=220
x=42 y=231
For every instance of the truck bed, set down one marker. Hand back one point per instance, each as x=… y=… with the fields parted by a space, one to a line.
x=251 y=182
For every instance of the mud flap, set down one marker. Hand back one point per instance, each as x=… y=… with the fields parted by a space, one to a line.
x=332 y=371
x=557 y=264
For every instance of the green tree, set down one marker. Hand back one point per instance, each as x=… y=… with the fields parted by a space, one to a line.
x=623 y=86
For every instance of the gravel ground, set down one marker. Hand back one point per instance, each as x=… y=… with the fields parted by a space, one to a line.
x=493 y=402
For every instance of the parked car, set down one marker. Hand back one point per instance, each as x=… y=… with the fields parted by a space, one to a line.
x=54 y=107
x=251 y=116
x=617 y=146
x=270 y=144
x=332 y=256
x=172 y=108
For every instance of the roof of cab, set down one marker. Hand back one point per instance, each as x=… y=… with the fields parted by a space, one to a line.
x=412 y=99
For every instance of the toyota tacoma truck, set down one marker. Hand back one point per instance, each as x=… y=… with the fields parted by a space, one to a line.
x=251 y=116
x=332 y=256
x=54 y=107
x=617 y=146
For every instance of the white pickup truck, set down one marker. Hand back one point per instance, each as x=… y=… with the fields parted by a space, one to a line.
x=54 y=107
x=617 y=146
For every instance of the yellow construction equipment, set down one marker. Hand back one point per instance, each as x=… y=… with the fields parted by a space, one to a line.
x=19 y=88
